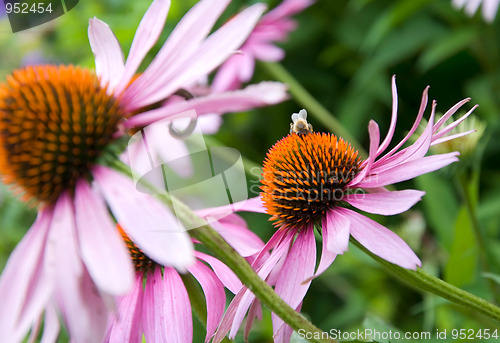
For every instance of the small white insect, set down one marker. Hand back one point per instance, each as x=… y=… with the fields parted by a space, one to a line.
x=299 y=123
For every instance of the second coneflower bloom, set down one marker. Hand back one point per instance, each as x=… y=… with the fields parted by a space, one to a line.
x=313 y=181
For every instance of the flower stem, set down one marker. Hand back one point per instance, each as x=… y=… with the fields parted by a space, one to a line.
x=222 y=250
x=424 y=281
x=304 y=98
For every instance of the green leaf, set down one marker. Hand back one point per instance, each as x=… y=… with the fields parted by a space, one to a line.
x=462 y=263
x=492 y=276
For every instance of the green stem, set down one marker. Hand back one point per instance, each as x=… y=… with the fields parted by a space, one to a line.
x=213 y=241
x=424 y=281
x=304 y=98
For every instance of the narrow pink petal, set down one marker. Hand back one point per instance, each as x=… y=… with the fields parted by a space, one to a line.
x=448 y=114
x=381 y=241
x=147 y=222
x=374 y=134
x=250 y=205
x=448 y=138
x=167 y=310
x=223 y=272
x=51 y=326
x=453 y=125
x=394 y=117
x=253 y=96
x=268 y=52
x=421 y=110
x=385 y=203
x=235 y=232
x=228 y=319
x=182 y=43
x=214 y=50
x=214 y=295
x=285 y=332
x=145 y=37
x=24 y=287
x=471 y=6
x=108 y=54
x=279 y=252
x=298 y=267
x=80 y=303
x=254 y=312
x=126 y=324
x=490 y=9
x=287 y=8
x=335 y=229
x=409 y=170
x=102 y=248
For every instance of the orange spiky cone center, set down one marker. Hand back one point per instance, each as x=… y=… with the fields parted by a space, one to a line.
x=304 y=175
x=54 y=123
x=142 y=263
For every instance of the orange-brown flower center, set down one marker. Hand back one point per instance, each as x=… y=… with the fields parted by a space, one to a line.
x=304 y=175
x=142 y=263
x=54 y=123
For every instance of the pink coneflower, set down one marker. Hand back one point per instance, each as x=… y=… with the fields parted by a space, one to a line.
x=273 y=27
x=489 y=7
x=57 y=123
x=159 y=306
x=314 y=180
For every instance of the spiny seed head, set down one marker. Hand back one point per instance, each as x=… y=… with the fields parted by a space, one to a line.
x=54 y=122
x=141 y=262
x=304 y=175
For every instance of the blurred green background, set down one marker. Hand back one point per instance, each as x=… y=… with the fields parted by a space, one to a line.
x=344 y=53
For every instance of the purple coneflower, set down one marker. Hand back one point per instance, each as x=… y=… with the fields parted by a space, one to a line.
x=273 y=27
x=313 y=180
x=57 y=122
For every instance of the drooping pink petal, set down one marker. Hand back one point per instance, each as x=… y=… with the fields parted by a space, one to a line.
x=107 y=53
x=80 y=303
x=227 y=320
x=385 y=203
x=51 y=326
x=146 y=36
x=146 y=221
x=167 y=309
x=254 y=312
x=335 y=229
x=285 y=332
x=214 y=295
x=223 y=272
x=287 y=8
x=409 y=170
x=126 y=324
x=236 y=233
x=294 y=280
x=212 y=52
x=259 y=95
x=24 y=288
x=102 y=248
x=380 y=240
x=183 y=42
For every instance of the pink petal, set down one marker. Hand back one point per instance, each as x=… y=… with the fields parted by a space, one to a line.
x=214 y=50
x=250 y=205
x=298 y=267
x=24 y=286
x=126 y=324
x=490 y=9
x=146 y=221
x=394 y=116
x=167 y=310
x=374 y=133
x=385 y=203
x=448 y=138
x=102 y=248
x=285 y=332
x=380 y=240
x=183 y=42
x=228 y=318
x=409 y=170
x=108 y=54
x=145 y=37
x=335 y=229
x=453 y=125
x=259 y=95
x=269 y=53
x=223 y=272
x=214 y=295
x=236 y=233
x=81 y=305
x=254 y=312
x=287 y=8
x=448 y=114
x=51 y=325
